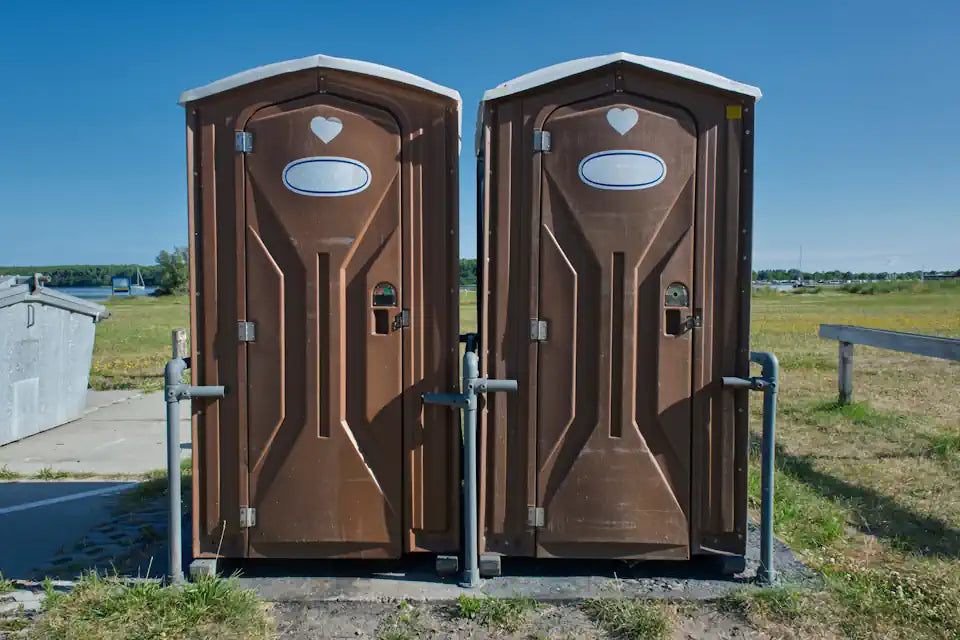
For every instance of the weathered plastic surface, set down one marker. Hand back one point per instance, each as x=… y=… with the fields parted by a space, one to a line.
x=343 y=216
x=46 y=343
x=629 y=232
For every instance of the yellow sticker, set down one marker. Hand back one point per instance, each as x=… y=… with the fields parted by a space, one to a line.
x=734 y=112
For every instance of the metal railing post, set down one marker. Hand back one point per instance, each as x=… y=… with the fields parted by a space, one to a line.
x=171 y=378
x=768 y=382
x=770 y=371
x=174 y=391
x=471 y=557
x=467 y=400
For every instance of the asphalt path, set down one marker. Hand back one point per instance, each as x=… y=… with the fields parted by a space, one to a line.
x=38 y=519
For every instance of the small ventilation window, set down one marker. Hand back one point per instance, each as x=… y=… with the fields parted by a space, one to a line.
x=676 y=295
x=384 y=295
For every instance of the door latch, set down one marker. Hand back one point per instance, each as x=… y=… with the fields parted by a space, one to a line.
x=401 y=320
x=693 y=322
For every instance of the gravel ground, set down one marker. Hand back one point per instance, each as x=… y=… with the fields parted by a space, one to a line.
x=562 y=621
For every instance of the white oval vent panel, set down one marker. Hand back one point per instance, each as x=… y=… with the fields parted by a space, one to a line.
x=326 y=176
x=622 y=170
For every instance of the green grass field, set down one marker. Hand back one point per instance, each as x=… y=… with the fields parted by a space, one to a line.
x=133 y=345
x=868 y=494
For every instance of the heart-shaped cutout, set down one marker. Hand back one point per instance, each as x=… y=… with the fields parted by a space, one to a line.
x=326 y=128
x=622 y=120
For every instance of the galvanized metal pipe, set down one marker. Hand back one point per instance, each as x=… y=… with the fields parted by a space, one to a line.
x=467 y=400
x=471 y=550
x=171 y=375
x=174 y=391
x=770 y=372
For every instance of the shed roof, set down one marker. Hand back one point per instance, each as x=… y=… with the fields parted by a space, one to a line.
x=573 y=67
x=16 y=289
x=318 y=61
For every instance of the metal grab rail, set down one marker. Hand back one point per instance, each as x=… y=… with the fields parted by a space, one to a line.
x=768 y=381
x=473 y=384
x=174 y=391
x=848 y=335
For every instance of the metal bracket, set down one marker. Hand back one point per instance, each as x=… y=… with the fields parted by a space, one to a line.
x=246 y=331
x=535 y=517
x=401 y=320
x=538 y=330
x=541 y=140
x=243 y=141
x=248 y=517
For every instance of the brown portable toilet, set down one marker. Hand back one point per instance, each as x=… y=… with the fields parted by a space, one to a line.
x=324 y=270
x=615 y=287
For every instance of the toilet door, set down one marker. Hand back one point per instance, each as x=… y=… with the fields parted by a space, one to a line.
x=615 y=373
x=324 y=371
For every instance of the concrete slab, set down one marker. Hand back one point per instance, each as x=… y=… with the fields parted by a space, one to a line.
x=38 y=519
x=125 y=437
x=414 y=580
x=99 y=399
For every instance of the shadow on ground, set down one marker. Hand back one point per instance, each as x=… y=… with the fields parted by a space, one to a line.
x=880 y=515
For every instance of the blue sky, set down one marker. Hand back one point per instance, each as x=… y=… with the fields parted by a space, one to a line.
x=858 y=143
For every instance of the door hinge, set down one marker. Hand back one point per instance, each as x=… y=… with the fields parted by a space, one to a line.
x=541 y=140
x=535 y=517
x=248 y=517
x=244 y=141
x=246 y=331
x=538 y=330
x=401 y=320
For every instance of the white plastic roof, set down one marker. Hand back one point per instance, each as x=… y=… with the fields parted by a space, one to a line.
x=315 y=62
x=321 y=61
x=573 y=67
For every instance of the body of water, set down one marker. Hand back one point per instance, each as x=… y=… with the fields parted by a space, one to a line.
x=95 y=293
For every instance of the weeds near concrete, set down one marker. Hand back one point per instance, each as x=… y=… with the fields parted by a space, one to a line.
x=628 y=618
x=506 y=614
x=154 y=487
x=7 y=474
x=48 y=473
x=13 y=625
x=108 y=608
x=6 y=586
x=404 y=625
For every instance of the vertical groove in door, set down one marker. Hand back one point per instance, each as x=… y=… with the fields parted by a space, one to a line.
x=323 y=335
x=616 y=346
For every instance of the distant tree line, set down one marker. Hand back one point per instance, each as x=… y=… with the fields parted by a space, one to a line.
x=170 y=273
x=468 y=272
x=88 y=275
x=767 y=275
